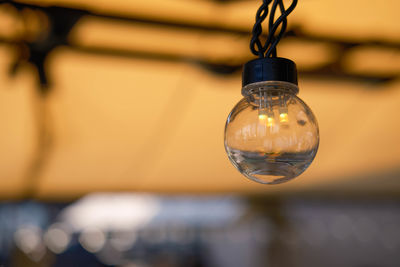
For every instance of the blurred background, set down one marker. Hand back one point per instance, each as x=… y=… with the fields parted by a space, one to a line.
x=111 y=145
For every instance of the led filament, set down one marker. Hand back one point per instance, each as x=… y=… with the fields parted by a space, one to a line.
x=266 y=111
x=283 y=116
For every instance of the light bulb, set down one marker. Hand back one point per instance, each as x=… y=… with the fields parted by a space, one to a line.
x=271 y=135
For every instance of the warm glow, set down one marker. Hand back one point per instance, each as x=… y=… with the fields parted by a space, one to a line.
x=270 y=122
x=262 y=117
x=283 y=117
x=269 y=119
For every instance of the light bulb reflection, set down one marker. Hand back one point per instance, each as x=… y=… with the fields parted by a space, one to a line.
x=57 y=238
x=92 y=239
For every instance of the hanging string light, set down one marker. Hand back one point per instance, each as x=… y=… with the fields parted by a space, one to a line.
x=271 y=135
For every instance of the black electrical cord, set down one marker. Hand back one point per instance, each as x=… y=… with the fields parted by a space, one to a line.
x=269 y=48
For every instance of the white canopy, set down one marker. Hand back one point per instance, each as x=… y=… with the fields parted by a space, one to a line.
x=140 y=124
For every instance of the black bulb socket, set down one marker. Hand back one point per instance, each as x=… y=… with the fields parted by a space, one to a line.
x=269 y=69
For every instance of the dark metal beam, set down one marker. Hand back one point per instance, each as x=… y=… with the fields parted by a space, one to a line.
x=64 y=18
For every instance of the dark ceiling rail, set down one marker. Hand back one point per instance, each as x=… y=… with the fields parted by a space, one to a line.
x=318 y=73
x=63 y=19
x=294 y=31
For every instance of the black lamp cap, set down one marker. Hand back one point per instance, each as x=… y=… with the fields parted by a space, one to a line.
x=269 y=69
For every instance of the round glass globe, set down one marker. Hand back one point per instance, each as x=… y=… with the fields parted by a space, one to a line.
x=271 y=135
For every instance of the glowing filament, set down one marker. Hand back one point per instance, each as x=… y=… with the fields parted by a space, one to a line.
x=265 y=113
x=270 y=121
x=262 y=117
x=283 y=117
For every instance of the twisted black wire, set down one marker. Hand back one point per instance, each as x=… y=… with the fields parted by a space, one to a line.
x=269 y=48
x=271 y=23
x=261 y=14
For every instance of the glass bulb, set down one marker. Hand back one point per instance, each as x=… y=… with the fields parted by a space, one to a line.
x=271 y=135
